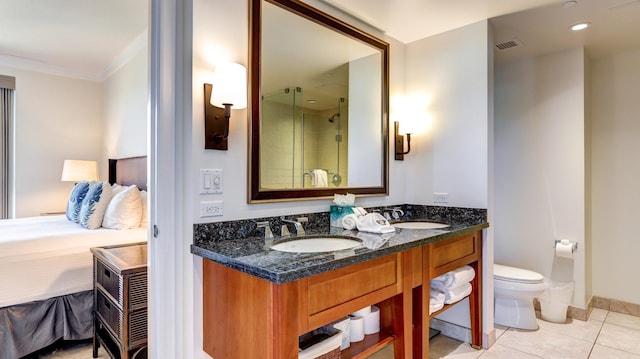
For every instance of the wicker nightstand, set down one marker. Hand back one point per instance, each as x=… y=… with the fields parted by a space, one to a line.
x=120 y=300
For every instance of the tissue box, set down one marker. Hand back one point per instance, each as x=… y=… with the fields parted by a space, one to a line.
x=336 y=213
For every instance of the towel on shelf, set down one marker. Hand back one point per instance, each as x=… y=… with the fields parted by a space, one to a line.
x=374 y=223
x=435 y=305
x=319 y=178
x=437 y=295
x=457 y=293
x=454 y=278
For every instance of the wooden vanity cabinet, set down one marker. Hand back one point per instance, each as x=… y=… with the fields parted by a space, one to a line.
x=249 y=317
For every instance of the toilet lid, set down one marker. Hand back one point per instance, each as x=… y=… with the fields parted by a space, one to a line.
x=519 y=275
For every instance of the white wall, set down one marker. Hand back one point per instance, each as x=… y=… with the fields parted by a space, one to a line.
x=125 y=98
x=615 y=173
x=57 y=118
x=452 y=69
x=540 y=164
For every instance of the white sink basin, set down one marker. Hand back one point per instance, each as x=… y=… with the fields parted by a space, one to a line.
x=420 y=225
x=315 y=245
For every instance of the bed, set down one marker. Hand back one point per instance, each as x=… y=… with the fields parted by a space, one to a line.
x=46 y=272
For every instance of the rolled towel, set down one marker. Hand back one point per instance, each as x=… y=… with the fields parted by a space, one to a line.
x=455 y=294
x=350 y=221
x=454 y=278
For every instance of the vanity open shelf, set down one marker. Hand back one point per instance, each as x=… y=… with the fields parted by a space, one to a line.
x=248 y=317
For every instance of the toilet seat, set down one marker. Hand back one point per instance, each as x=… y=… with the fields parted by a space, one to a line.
x=516 y=275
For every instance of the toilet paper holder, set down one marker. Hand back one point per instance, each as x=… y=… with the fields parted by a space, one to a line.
x=574 y=245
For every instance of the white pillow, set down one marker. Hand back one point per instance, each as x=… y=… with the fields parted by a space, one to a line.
x=74 y=204
x=94 y=205
x=124 y=210
x=144 y=198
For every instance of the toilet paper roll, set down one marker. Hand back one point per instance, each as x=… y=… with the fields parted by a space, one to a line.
x=564 y=249
x=372 y=321
x=362 y=312
x=356 y=330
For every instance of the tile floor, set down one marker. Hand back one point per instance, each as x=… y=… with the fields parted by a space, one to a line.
x=606 y=335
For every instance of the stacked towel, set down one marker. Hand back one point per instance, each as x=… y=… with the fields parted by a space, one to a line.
x=436 y=301
x=453 y=286
x=319 y=178
x=455 y=278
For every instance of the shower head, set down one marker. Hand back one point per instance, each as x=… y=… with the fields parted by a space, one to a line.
x=334 y=117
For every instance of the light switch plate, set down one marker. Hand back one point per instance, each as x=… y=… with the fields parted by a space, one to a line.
x=210 y=181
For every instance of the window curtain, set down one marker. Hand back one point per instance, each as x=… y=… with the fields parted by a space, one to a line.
x=7 y=105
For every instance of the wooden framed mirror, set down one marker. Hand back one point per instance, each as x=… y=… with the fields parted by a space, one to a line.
x=319 y=100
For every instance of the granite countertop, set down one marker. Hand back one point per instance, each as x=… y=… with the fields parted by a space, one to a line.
x=249 y=255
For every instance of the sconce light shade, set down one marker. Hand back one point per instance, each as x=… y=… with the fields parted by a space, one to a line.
x=78 y=170
x=229 y=88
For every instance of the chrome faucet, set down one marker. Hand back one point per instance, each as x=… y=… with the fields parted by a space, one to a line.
x=396 y=213
x=267 y=229
x=297 y=224
x=268 y=235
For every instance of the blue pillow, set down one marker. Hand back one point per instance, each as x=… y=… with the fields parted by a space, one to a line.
x=76 y=197
x=94 y=205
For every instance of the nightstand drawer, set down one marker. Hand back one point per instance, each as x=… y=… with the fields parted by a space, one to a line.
x=110 y=314
x=110 y=281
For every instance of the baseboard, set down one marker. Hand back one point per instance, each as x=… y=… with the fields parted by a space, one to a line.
x=615 y=305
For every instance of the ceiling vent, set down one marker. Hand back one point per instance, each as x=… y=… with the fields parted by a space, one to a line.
x=509 y=44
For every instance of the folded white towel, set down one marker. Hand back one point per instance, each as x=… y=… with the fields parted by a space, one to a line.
x=455 y=294
x=437 y=295
x=350 y=221
x=319 y=178
x=435 y=305
x=454 y=278
x=374 y=223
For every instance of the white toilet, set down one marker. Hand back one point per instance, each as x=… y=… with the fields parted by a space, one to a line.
x=514 y=290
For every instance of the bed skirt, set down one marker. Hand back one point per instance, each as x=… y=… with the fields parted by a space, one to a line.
x=26 y=328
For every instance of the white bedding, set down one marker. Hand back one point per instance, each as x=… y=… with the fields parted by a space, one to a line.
x=48 y=256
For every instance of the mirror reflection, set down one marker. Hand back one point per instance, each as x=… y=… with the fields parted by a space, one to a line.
x=322 y=102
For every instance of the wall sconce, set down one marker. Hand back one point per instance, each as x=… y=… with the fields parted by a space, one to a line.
x=229 y=89
x=78 y=170
x=399 y=148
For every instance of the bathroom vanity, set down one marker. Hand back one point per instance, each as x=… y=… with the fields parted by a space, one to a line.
x=257 y=301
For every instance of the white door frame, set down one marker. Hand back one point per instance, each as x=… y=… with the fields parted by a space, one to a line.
x=170 y=270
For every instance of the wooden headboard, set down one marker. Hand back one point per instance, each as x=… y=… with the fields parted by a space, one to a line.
x=129 y=171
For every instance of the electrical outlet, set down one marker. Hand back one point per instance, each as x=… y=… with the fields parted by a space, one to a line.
x=440 y=197
x=211 y=209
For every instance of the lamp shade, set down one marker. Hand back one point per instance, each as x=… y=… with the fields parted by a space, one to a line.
x=78 y=170
x=229 y=86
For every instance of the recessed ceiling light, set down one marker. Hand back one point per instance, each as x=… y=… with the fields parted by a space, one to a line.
x=312 y=101
x=580 y=26
x=569 y=3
